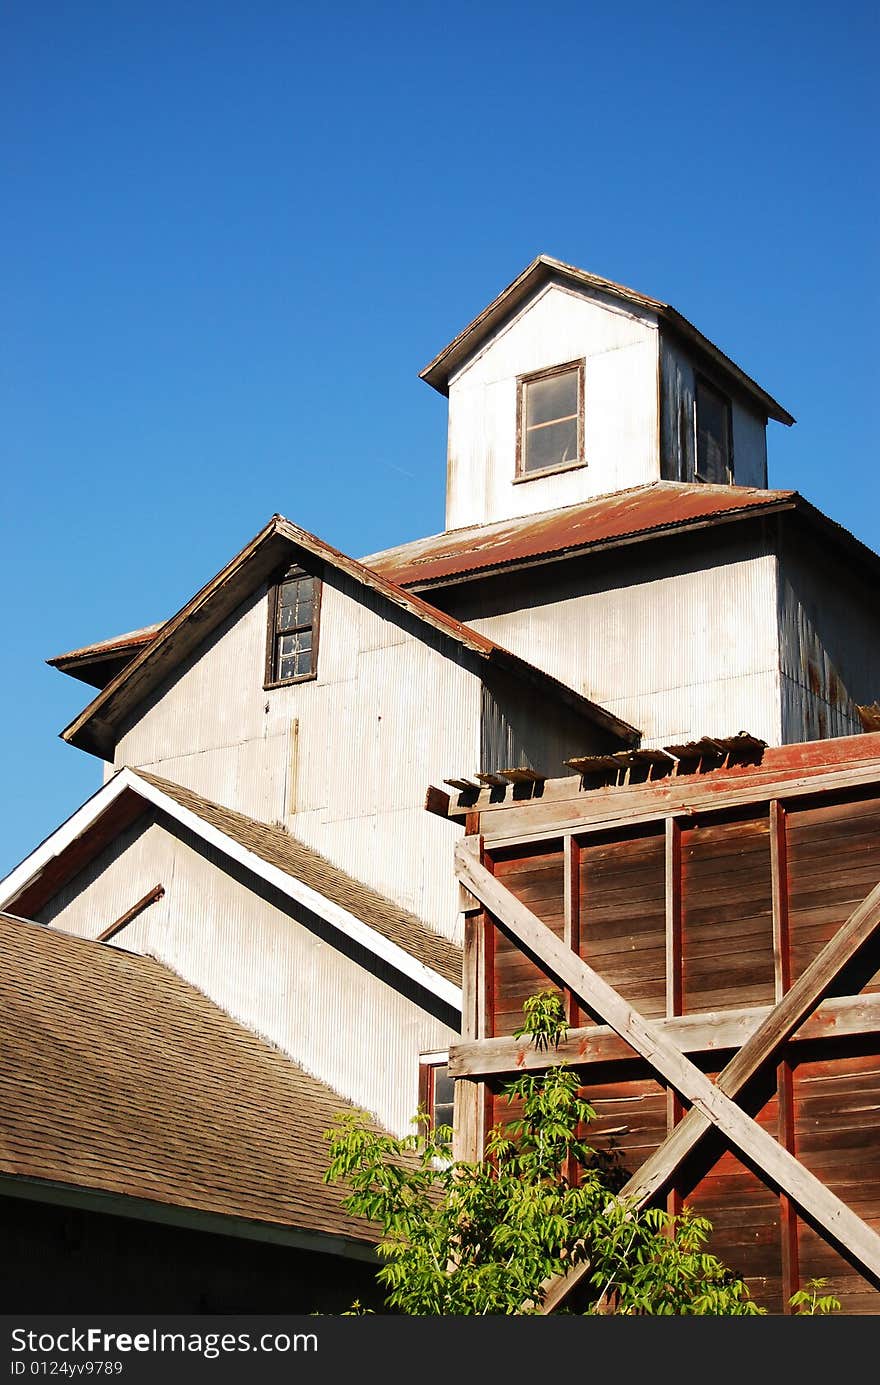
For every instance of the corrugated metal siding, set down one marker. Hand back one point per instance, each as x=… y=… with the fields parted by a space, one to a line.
x=679 y=647
x=677 y=387
x=260 y=963
x=516 y=731
x=619 y=345
x=391 y=711
x=830 y=646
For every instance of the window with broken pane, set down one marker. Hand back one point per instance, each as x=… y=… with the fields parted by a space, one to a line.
x=294 y=612
x=551 y=420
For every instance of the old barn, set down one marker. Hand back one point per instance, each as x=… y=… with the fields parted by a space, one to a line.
x=641 y=685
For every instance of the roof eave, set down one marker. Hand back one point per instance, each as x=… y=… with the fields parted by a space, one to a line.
x=540 y=271
x=544 y=268
x=771 y=407
x=93 y=729
x=581 y=550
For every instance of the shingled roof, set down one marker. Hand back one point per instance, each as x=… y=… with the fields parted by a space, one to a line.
x=357 y=911
x=279 y=848
x=117 y=1076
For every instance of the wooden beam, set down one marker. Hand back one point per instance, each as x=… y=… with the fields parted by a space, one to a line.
x=779 y=891
x=572 y=915
x=584 y=815
x=150 y=898
x=468 y=903
x=788 y=1233
x=717 y=1031
x=710 y=1101
x=771 y=1034
x=674 y=977
x=469 y=1096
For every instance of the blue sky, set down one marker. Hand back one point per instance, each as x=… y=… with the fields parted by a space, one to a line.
x=233 y=234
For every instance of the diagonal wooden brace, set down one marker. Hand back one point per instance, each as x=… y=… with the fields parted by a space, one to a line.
x=647 y=1039
x=759 y=1049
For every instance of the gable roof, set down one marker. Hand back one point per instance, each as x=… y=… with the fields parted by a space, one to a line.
x=355 y=911
x=260 y=559
x=622 y=517
x=278 y=848
x=118 y=1077
x=545 y=269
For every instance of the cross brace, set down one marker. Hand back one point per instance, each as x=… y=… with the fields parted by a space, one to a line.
x=711 y=1103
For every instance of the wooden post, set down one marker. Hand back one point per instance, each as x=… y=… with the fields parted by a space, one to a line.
x=469 y=1102
x=674 y=977
x=788 y=1227
x=572 y=923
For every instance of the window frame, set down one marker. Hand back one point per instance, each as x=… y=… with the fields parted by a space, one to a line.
x=428 y=1065
x=704 y=382
x=272 y=631
x=522 y=383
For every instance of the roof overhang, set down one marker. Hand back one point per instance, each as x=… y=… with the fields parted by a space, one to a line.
x=506 y=546
x=97 y=663
x=544 y=270
x=95 y=729
x=120 y=802
x=109 y=1203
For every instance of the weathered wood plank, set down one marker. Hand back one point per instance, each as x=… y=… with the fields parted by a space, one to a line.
x=780 y=1023
x=572 y=914
x=709 y=1100
x=717 y=1032
x=673 y=913
x=502 y=824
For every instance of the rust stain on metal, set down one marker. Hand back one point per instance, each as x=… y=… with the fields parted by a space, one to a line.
x=118 y=644
x=646 y=509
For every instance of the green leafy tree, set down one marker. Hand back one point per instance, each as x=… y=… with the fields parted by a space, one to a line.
x=481 y=1238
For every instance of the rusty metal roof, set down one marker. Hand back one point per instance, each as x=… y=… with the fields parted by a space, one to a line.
x=602 y=522
x=92 y=730
x=96 y=663
x=545 y=269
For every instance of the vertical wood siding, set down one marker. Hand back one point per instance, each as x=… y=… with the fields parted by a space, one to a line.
x=266 y=961
x=830 y=861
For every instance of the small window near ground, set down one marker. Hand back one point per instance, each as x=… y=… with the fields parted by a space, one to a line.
x=437 y=1091
x=550 y=420
x=294 y=604
x=714 y=436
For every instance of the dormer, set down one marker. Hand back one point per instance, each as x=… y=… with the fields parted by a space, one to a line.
x=569 y=386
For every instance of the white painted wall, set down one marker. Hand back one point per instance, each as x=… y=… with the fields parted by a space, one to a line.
x=680 y=646
x=261 y=962
x=389 y=712
x=619 y=344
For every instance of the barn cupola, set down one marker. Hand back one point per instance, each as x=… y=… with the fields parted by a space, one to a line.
x=568 y=386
